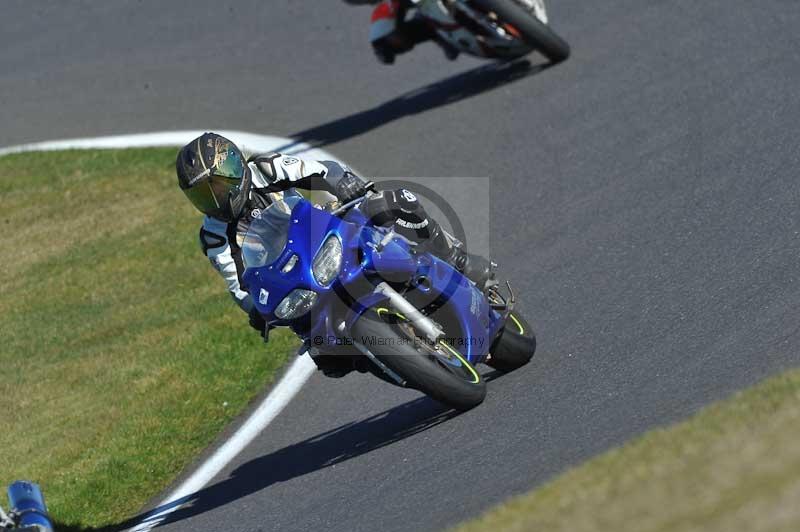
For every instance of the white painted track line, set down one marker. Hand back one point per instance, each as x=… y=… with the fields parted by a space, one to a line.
x=300 y=370
x=246 y=141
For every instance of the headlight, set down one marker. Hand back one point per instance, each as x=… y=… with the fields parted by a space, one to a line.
x=297 y=303
x=328 y=261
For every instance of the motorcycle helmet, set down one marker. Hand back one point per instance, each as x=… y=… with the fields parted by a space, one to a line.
x=213 y=174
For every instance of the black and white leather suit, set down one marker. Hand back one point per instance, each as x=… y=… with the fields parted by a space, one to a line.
x=272 y=175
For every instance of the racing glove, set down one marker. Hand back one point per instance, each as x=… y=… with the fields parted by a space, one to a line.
x=350 y=187
x=258 y=323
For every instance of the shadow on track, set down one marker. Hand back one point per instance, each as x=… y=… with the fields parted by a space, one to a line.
x=450 y=90
x=319 y=452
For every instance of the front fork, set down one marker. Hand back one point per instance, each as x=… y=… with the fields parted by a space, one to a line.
x=400 y=304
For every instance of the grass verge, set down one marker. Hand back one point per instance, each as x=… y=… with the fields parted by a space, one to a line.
x=733 y=466
x=122 y=356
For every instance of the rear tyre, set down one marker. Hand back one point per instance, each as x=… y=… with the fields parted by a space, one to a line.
x=514 y=346
x=447 y=378
x=532 y=30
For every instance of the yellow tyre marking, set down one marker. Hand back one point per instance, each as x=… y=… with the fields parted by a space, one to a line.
x=381 y=311
x=475 y=375
x=519 y=325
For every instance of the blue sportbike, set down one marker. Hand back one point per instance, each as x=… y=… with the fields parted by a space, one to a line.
x=352 y=289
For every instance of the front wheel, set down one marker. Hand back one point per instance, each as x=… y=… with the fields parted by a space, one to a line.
x=530 y=29
x=438 y=371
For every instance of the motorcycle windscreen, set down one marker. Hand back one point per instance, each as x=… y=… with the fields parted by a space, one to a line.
x=267 y=236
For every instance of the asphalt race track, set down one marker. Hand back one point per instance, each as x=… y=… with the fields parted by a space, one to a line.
x=643 y=195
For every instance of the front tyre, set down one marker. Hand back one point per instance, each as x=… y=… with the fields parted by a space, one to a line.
x=439 y=372
x=514 y=346
x=531 y=30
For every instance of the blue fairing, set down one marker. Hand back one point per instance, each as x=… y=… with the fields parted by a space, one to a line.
x=446 y=296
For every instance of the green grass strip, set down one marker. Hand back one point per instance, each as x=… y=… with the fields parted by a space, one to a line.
x=122 y=356
x=733 y=466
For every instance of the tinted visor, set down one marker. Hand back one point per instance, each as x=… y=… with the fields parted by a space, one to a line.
x=221 y=189
x=202 y=196
x=221 y=197
x=228 y=162
x=228 y=180
x=231 y=194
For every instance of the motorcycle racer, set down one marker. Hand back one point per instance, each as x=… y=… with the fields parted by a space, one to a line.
x=392 y=32
x=232 y=191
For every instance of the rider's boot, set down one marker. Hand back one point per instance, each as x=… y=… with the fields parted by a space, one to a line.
x=450 y=51
x=476 y=268
x=335 y=364
x=384 y=52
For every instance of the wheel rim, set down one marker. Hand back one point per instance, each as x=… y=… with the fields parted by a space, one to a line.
x=440 y=353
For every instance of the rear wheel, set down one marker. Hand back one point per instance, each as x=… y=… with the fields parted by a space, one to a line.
x=437 y=370
x=514 y=346
x=529 y=28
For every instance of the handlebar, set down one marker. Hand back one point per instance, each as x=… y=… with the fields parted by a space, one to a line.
x=352 y=203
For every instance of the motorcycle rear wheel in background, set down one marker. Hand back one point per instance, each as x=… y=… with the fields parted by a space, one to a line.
x=514 y=346
x=532 y=30
x=439 y=371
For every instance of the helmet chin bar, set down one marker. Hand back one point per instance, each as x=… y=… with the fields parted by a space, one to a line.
x=234 y=210
x=242 y=196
